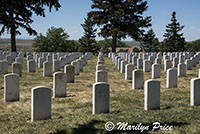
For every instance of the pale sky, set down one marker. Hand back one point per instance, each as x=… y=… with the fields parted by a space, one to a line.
x=73 y=12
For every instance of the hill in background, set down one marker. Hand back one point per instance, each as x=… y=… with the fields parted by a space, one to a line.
x=26 y=44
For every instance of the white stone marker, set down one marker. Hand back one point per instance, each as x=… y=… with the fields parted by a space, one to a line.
x=3 y=67
x=76 y=67
x=40 y=103
x=31 y=66
x=9 y=59
x=188 y=64
x=158 y=61
x=69 y=70
x=172 y=78
x=167 y=65
x=134 y=60
x=101 y=95
x=101 y=76
x=128 y=71
x=19 y=60
x=41 y=61
x=119 y=64
x=138 y=79
x=175 y=62
x=181 y=70
x=100 y=67
x=56 y=65
x=155 y=71
x=17 y=68
x=123 y=64
x=59 y=84
x=139 y=63
x=11 y=87
x=146 y=66
x=151 y=95
x=195 y=92
x=47 y=69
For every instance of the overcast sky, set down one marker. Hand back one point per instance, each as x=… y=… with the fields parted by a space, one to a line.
x=73 y=12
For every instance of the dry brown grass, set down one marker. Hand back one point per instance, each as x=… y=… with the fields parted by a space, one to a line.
x=73 y=114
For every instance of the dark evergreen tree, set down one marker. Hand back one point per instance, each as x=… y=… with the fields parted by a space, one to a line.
x=88 y=42
x=174 y=40
x=18 y=13
x=149 y=42
x=120 y=18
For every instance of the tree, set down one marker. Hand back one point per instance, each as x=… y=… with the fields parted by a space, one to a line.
x=119 y=18
x=107 y=43
x=54 y=41
x=193 y=46
x=174 y=40
x=150 y=42
x=18 y=13
x=88 y=42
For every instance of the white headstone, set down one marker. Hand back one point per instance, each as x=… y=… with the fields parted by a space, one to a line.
x=17 y=68
x=195 y=92
x=172 y=78
x=151 y=95
x=69 y=70
x=47 y=69
x=138 y=79
x=31 y=66
x=128 y=71
x=11 y=87
x=59 y=84
x=155 y=71
x=101 y=76
x=40 y=103
x=181 y=70
x=100 y=98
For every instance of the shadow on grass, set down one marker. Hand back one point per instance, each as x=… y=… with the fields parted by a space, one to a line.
x=88 y=128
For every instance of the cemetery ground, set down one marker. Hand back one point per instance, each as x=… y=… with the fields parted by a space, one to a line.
x=73 y=114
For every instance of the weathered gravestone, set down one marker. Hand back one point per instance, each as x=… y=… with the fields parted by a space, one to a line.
x=11 y=87
x=155 y=71
x=128 y=71
x=31 y=66
x=17 y=68
x=69 y=70
x=195 y=92
x=146 y=66
x=40 y=103
x=181 y=70
x=123 y=64
x=3 y=67
x=47 y=69
x=59 y=84
x=101 y=76
x=152 y=95
x=100 y=98
x=137 y=79
x=172 y=78
x=56 y=65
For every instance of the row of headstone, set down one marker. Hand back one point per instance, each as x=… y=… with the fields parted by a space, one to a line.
x=152 y=87
x=142 y=60
x=58 y=61
x=101 y=88
x=41 y=96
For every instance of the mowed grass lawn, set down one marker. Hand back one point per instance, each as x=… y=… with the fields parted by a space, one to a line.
x=73 y=114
